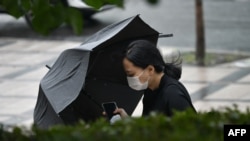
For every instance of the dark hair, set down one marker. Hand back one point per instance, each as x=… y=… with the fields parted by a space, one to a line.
x=143 y=53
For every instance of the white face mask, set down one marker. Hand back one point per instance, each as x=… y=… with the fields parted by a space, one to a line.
x=135 y=83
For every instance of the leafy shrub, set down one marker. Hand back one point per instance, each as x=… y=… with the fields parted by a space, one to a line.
x=205 y=126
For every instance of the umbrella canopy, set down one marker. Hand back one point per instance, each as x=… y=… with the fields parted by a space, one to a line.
x=84 y=77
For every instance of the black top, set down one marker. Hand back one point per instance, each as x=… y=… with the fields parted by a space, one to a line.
x=170 y=95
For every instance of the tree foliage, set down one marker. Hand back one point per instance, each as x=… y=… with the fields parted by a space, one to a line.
x=47 y=15
x=44 y=16
x=183 y=126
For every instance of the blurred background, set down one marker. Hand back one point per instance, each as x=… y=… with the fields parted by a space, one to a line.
x=227 y=23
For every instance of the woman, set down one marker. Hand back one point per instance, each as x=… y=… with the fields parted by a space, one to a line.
x=146 y=70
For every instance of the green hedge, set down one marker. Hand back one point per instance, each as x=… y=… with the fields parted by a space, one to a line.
x=205 y=126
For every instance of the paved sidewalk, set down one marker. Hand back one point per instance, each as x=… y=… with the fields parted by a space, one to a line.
x=22 y=66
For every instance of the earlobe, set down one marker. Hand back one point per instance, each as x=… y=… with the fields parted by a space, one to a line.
x=151 y=69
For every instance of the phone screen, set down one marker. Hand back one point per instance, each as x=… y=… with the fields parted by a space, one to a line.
x=109 y=108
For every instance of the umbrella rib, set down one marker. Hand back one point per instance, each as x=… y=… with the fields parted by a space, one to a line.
x=166 y=35
x=92 y=66
x=47 y=66
x=94 y=100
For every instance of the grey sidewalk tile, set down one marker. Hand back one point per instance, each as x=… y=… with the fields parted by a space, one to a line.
x=19 y=88
x=16 y=106
x=16 y=45
x=220 y=84
x=6 y=70
x=28 y=69
x=49 y=46
x=195 y=86
x=205 y=74
x=21 y=59
x=237 y=75
x=65 y=45
x=38 y=46
x=34 y=75
x=245 y=79
x=24 y=119
x=232 y=92
x=4 y=43
x=42 y=45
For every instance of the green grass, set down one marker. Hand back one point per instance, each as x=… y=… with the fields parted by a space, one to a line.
x=212 y=58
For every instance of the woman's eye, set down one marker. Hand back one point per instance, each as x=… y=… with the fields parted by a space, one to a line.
x=130 y=75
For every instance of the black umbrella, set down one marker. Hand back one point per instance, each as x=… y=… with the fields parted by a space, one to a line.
x=84 y=77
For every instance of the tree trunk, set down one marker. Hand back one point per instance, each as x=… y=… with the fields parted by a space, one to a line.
x=200 y=34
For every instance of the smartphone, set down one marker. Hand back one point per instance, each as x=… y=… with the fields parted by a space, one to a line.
x=109 y=108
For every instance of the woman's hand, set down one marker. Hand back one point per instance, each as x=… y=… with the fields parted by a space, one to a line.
x=121 y=112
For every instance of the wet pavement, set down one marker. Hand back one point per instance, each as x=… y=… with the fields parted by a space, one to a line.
x=22 y=66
